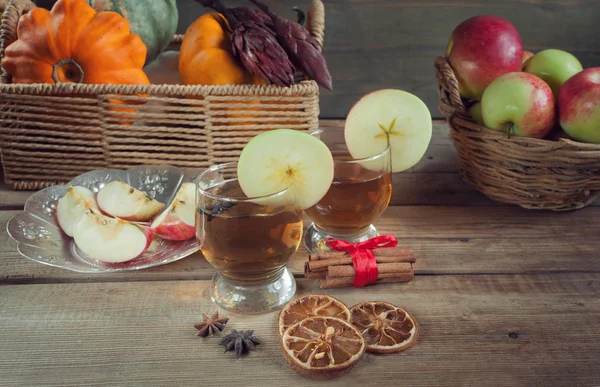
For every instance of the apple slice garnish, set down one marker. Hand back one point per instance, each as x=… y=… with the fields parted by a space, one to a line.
x=111 y=239
x=293 y=166
x=177 y=223
x=72 y=207
x=120 y=200
x=394 y=115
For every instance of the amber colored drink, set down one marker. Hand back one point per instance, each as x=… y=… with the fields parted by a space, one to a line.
x=247 y=241
x=355 y=199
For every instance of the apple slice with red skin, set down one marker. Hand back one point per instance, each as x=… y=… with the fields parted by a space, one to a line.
x=177 y=223
x=72 y=207
x=121 y=200
x=111 y=240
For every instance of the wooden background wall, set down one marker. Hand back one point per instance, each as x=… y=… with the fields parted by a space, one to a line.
x=373 y=44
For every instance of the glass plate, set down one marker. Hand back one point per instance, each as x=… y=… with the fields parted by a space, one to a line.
x=40 y=239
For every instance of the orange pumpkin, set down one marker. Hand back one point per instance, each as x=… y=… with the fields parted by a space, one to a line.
x=74 y=43
x=206 y=56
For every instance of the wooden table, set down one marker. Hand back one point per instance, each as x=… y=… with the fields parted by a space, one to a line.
x=505 y=296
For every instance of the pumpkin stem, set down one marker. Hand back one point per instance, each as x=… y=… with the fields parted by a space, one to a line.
x=67 y=71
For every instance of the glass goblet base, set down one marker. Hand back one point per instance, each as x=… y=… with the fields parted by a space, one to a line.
x=240 y=297
x=315 y=239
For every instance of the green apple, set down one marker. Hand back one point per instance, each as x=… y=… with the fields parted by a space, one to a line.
x=554 y=66
x=393 y=116
x=475 y=112
x=285 y=167
x=520 y=104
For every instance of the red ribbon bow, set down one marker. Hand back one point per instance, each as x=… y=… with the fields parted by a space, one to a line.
x=363 y=257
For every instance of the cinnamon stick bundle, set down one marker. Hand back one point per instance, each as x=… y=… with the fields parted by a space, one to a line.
x=325 y=259
x=334 y=269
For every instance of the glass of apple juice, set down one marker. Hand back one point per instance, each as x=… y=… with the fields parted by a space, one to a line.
x=360 y=192
x=249 y=241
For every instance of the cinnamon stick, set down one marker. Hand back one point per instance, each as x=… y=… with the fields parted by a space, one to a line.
x=342 y=282
x=398 y=251
x=383 y=268
x=314 y=274
x=337 y=258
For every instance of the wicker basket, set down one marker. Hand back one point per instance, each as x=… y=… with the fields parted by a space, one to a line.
x=556 y=175
x=52 y=133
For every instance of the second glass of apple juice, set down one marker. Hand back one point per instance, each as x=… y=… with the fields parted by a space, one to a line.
x=247 y=240
x=360 y=192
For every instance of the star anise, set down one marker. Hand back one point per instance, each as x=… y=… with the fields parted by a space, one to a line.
x=240 y=341
x=211 y=325
x=216 y=208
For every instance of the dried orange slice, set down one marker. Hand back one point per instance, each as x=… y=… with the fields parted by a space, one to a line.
x=385 y=327
x=312 y=305
x=322 y=347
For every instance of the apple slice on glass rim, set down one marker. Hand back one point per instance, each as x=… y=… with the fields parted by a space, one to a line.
x=178 y=221
x=285 y=167
x=111 y=239
x=393 y=118
x=121 y=200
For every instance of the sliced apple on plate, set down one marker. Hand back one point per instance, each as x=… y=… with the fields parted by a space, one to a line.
x=177 y=223
x=111 y=239
x=121 y=200
x=389 y=115
x=285 y=167
x=72 y=207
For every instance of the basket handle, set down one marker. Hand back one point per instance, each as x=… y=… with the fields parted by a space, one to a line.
x=8 y=27
x=315 y=21
x=444 y=69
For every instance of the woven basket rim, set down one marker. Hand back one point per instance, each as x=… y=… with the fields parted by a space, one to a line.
x=529 y=142
x=305 y=87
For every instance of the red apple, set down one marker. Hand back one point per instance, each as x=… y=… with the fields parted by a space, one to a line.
x=480 y=50
x=520 y=104
x=579 y=106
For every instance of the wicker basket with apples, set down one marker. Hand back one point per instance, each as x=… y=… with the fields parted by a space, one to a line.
x=526 y=126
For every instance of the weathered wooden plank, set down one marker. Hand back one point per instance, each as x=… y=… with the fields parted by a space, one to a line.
x=475 y=330
x=417 y=188
x=435 y=180
x=447 y=240
x=11 y=199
